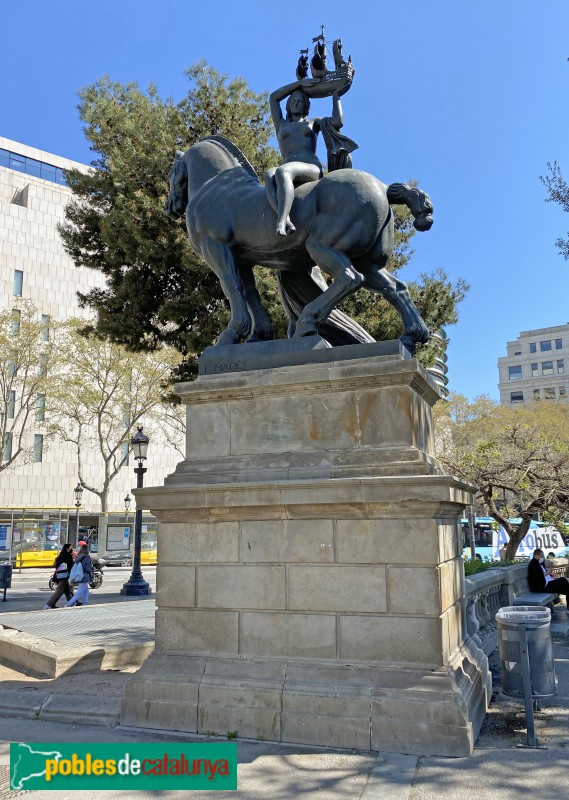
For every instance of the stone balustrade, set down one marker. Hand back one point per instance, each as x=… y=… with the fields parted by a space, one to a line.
x=488 y=591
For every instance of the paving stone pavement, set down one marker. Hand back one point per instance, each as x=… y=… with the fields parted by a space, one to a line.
x=111 y=625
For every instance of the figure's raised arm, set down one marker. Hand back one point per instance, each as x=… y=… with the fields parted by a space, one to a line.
x=285 y=91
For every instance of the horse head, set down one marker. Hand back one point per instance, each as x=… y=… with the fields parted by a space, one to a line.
x=177 y=199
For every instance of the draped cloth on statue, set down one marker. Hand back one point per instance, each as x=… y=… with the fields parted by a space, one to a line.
x=338 y=146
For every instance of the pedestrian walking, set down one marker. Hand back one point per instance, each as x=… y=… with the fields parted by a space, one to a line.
x=62 y=564
x=82 y=593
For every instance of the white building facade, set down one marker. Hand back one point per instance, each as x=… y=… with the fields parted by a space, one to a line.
x=34 y=266
x=536 y=367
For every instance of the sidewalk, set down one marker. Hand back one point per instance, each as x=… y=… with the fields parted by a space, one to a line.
x=43 y=709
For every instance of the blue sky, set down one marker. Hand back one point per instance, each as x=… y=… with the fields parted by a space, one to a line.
x=469 y=98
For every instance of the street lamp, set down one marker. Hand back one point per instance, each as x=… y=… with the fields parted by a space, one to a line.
x=127 y=501
x=136 y=585
x=78 y=492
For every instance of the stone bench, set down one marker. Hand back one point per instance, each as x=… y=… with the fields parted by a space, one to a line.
x=536 y=599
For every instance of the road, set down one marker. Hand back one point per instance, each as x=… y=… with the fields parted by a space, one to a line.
x=30 y=590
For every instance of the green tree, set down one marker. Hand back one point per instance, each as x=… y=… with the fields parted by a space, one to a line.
x=104 y=397
x=517 y=458
x=558 y=192
x=157 y=291
x=30 y=359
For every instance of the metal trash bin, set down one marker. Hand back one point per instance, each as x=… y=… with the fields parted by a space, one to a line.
x=526 y=657
x=5 y=578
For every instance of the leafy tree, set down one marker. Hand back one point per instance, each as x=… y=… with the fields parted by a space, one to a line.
x=517 y=458
x=157 y=291
x=558 y=191
x=103 y=398
x=30 y=358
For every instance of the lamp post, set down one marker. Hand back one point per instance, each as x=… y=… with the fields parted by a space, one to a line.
x=136 y=585
x=78 y=492
x=127 y=501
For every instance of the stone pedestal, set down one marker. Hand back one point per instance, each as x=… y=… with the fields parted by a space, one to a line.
x=310 y=577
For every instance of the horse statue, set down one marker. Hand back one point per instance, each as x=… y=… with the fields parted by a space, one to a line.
x=343 y=225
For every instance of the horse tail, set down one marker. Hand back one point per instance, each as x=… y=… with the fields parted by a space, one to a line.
x=417 y=201
x=297 y=289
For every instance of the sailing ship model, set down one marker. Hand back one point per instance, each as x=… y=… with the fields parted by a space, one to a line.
x=329 y=81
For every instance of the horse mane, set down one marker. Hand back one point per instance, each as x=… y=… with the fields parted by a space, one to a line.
x=235 y=151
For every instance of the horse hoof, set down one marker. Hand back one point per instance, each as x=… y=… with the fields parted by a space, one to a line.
x=281 y=230
x=260 y=337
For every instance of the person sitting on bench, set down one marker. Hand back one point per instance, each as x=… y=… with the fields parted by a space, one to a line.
x=537 y=582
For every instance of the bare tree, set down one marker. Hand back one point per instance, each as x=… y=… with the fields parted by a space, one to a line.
x=101 y=401
x=518 y=458
x=30 y=360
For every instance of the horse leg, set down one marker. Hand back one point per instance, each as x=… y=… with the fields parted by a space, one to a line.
x=346 y=280
x=262 y=325
x=397 y=293
x=221 y=260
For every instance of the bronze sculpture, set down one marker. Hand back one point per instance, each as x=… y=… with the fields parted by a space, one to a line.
x=340 y=222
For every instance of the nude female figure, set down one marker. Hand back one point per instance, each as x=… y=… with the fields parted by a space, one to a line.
x=297 y=136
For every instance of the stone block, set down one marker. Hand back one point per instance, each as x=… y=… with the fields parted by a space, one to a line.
x=337 y=588
x=413 y=590
x=176 y=586
x=208 y=430
x=387 y=541
x=286 y=635
x=198 y=542
x=328 y=731
x=390 y=639
x=289 y=541
x=421 y=738
x=243 y=696
x=241 y=586
x=150 y=713
x=197 y=631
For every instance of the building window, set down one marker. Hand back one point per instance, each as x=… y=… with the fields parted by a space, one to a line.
x=42 y=365
x=125 y=447
x=11 y=404
x=45 y=327
x=40 y=408
x=32 y=167
x=515 y=373
x=18 y=282
x=549 y=394
x=516 y=397
x=545 y=345
x=38 y=447
x=558 y=344
x=7 y=450
x=518 y=353
x=560 y=366
x=536 y=394
x=534 y=370
x=547 y=367
x=16 y=321
x=562 y=392
x=532 y=347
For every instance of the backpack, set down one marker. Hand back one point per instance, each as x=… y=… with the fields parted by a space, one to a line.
x=76 y=574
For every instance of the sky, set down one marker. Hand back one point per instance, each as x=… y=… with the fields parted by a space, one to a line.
x=468 y=98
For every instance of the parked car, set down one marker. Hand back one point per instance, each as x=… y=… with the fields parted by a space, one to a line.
x=119 y=558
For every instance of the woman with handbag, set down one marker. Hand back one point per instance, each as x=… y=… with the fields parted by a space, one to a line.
x=63 y=564
x=83 y=566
